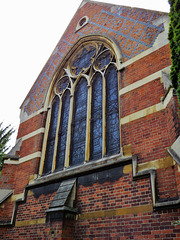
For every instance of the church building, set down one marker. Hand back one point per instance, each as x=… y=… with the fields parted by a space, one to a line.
x=97 y=154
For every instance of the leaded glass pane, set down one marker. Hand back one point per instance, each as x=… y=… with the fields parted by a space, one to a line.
x=62 y=84
x=103 y=59
x=79 y=123
x=51 y=136
x=62 y=135
x=112 y=112
x=83 y=59
x=96 y=118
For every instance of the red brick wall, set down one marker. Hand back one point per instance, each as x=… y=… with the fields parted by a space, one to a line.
x=142 y=97
x=24 y=171
x=8 y=176
x=139 y=226
x=110 y=195
x=31 y=145
x=32 y=125
x=39 y=231
x=146 y=66
x=148 y=136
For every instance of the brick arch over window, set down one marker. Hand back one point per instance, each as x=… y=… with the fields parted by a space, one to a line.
x=83 y=119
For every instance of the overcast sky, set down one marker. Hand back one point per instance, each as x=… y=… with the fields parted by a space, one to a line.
x=30 y=30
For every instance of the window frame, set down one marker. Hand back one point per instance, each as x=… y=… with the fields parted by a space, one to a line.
x=110 y=43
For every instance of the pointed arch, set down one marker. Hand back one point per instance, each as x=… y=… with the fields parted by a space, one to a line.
x=82 y=41
x=86 y=127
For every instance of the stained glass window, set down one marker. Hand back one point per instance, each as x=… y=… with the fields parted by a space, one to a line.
x=62 y=135
x=96 y=118
x=84 y=122
x=83 y=59
x=112 y=111
x=79 y=123
x=51 y=136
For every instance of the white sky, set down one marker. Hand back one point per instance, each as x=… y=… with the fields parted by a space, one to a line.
x=30 y=30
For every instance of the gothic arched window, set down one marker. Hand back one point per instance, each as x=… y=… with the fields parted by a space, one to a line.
x=83 y=121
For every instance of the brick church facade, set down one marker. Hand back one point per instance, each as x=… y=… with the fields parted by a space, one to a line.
x=97 y=154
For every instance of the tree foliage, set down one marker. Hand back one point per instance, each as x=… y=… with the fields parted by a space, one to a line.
x=174 y=39
x=5 y=134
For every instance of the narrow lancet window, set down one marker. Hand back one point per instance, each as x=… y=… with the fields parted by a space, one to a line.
x=96 y=118
x=62 y=135
x=79 y=123
x=51 y=136
x=112 y=111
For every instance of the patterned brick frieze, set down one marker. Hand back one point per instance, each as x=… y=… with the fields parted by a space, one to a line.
x=134 y=30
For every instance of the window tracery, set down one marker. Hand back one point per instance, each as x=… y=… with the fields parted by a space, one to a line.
x=84 y=113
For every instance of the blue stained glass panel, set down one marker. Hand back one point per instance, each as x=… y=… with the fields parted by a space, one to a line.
x=62 y=84
x=96 y=118
x=78 y=138
x=103 y=59
x=112 y=112
x=83 y=58
x=62 y=135
x=51 y=136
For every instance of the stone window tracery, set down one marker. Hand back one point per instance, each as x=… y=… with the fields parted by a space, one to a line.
x=84 y=111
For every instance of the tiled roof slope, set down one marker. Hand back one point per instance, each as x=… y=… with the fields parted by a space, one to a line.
x=135 y=30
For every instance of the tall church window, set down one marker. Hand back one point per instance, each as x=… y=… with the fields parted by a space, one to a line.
x=83 y=123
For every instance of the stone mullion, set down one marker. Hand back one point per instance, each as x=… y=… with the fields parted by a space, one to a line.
x=119 y=101
x=104 y=118
x=68 y=140
x=88 y=124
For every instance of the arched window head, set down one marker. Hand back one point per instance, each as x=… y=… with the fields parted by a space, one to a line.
x=83 y=120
